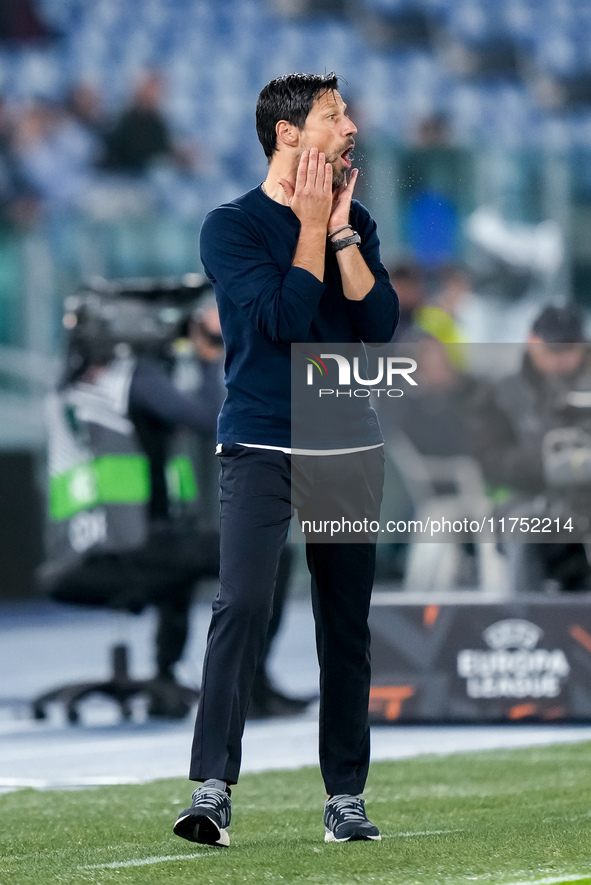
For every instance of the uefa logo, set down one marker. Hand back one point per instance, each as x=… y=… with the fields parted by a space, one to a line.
x=513 y=666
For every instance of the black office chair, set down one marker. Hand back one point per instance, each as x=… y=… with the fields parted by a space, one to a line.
x=171 y=702
x=163 y=572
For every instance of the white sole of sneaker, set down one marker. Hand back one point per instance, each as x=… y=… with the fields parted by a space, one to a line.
x=202 y=830
x=329 y=836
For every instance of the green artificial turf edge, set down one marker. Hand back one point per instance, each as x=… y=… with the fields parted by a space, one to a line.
x=498 y=817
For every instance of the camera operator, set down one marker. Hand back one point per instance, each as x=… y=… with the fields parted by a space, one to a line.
x=512 y=422
x=128 y=545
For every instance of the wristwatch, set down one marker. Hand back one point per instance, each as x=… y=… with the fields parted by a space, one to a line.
x=353 y=240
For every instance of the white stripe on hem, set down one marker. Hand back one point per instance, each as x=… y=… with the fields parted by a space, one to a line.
x=289 y=451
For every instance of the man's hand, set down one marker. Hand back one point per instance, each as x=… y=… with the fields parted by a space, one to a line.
x=356 y=277
x=311 y=201
x=341 y=204
x=311 y=198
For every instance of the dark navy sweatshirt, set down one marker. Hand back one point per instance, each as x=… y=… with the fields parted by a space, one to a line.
x=266 y=305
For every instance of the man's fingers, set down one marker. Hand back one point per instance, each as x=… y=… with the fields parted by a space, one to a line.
x=302 y=172
x=321 y=170
x=312 y=167
x=342 y=197
x=347 y=188
x=311 y=199
x=313 y=172
x=352 y=180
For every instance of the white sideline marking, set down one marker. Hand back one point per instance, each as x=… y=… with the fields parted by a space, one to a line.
x=555 y=880
x=142 y=862
x=407 y=833
x=38 y=783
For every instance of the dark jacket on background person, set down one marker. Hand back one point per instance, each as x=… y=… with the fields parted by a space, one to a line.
x=509 y=427
x=139 y=137
x=510 y=419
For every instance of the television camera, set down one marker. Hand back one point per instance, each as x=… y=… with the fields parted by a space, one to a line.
x=566 y=459
x=105 y=319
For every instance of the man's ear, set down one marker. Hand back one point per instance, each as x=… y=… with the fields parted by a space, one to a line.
x=287 y=133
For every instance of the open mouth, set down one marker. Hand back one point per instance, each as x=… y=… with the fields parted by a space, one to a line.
x=346 y=157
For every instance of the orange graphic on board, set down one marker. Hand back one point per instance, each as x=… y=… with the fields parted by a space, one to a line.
x=388 y=699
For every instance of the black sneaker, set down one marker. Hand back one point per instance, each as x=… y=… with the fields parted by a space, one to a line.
x=208 y=818
x=345 y=820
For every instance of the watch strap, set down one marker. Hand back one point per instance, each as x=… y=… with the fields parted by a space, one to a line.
x=353 y=240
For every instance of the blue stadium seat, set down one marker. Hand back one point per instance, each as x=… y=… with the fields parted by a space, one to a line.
x=211 y=54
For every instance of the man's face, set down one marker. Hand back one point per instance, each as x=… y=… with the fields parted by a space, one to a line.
x=555 y=361
x=328 y=128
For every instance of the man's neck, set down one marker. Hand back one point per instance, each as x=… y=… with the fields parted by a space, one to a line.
x=271 y=186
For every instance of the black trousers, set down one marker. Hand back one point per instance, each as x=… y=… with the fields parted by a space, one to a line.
x=259 y=489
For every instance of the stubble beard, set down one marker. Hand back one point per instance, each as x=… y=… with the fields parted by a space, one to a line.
x=339 y=173
x=339 y=178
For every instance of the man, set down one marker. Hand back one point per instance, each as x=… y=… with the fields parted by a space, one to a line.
x=511 y=423
x=141 y=135
x=287 y=265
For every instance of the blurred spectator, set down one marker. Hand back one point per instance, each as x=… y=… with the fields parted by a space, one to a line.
x=141 y=134
x=455 y=289
x=511 y=423
x=19 y=22
x=295 y=9
x=433 y=132
x=14 y=205
x=54 y=155
x=441 y=317
x=407 y=279
x=435 y=189
x=422 y=315
x=433 y=414
x=85 y=106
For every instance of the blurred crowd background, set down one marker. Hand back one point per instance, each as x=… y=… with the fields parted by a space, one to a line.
x=123 y=122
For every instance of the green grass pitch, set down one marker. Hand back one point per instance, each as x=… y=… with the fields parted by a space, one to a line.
x=502 y=817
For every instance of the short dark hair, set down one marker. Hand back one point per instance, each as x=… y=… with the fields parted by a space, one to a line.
x=560 y=325
x=407 y=271
x=288 y=98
